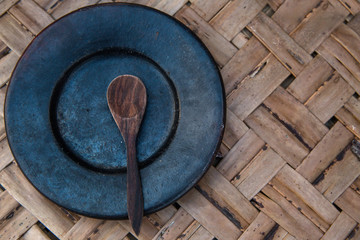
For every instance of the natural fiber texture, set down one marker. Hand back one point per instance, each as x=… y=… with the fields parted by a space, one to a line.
x=290 y=167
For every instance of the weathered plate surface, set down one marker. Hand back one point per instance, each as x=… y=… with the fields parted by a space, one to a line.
x=61 y=131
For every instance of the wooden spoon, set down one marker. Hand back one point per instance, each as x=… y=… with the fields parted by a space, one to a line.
x=126 y=96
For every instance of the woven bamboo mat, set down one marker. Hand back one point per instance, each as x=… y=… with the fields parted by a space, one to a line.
x=289 y=167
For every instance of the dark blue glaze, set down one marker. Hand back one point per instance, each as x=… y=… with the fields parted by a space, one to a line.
x=79 y=104
x=61 y=131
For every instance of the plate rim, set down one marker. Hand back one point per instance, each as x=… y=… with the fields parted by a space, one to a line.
x=192 y=184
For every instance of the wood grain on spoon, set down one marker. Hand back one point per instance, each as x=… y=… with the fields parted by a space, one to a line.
x=126 y=96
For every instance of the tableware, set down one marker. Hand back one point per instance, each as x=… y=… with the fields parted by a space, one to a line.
x=61 y=131
x=126 y=97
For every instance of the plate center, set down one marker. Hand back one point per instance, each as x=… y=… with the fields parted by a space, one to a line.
x=81 y=119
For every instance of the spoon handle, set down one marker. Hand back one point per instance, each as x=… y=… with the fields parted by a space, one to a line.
x=135 y=204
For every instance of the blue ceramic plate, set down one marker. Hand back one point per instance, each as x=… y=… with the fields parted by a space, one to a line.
x=61 y=131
